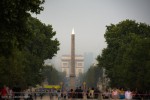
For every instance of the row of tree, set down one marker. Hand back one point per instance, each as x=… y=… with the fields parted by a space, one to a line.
x=25 y=43
x=53 y=76
x=127 y=56
x=92 y=76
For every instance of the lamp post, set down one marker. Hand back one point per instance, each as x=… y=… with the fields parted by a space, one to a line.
x=61 y=85
x=84 y=91
x=84 y=85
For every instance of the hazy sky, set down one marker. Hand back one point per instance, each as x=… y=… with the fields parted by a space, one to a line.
x=89 y=19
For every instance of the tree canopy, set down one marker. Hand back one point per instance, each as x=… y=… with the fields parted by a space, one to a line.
x=91 y=77
x=52 y=76
x=127 y=56
x=42 y=45
x=25 y=43
x=14 y=30
x=24 y=67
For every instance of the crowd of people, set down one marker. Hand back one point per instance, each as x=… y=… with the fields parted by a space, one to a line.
x=7 y=93
x=115 y=94
x=80 y=93
x=118 y=94
x=127 y=94
x=15 y=93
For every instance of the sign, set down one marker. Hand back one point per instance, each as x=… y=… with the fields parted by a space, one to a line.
x=52 y=86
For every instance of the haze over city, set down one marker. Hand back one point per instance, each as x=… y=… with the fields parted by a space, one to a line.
x=89 y=19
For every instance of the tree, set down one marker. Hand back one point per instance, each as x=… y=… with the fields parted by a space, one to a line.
x=24 y=67
x=25 y=42
x=12 y=70
x=14 y=15
x=14 y=33
x=52 y=75
x=92 y=76
x=41 y=46
x=124 y=60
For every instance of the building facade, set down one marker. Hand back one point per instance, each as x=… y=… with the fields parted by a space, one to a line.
x=66 y=64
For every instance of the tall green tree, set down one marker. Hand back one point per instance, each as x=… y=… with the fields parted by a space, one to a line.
x=14 y=34
x=41 y=46
x=25 y=66
x=126 y=58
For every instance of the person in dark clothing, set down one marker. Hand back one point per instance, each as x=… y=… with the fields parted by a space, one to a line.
x=80 y=93
x=17 y=91
x=87 y=93
x=71 y=93
x=96 y=93
x=76 y=92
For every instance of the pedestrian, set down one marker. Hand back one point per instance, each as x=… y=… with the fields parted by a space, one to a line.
x=10 y=93
x=92 y=93
x=26 y=95
x=115 y=94
x=35 y=94
x=4 y=93
x=71 y=93
x=59 y=94
x=106 y=94
x=80 y=93
x=76 y=92
x=96 y=93
x=121 y=94
x=128 y=94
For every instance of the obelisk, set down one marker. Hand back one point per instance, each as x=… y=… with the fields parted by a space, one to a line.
x=72 y=68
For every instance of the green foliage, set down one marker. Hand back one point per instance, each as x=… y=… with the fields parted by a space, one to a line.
x=126 y=58
x=25 y=43
x=11 y=69
x=24 y=67
x=42 y=43
x=14 y=31
x=92 y=76
x=52 y=75
x=40 y=47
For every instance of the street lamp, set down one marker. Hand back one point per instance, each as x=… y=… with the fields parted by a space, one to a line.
x=84 y=85
x=61 y=84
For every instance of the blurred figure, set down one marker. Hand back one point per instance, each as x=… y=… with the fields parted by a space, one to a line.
x=106 y=94
x=128 y=95
x=115 y=94
x=59 y=94
x=88 y=93
x=92 y=93
x=80 y=93
x=121 y=94
x=76 y=92
x=10 y=93
x=71 y=94
x=4 y=93
x=96 y=93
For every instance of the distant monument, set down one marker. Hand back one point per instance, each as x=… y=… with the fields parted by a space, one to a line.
x=66 y=65
x=72 y=70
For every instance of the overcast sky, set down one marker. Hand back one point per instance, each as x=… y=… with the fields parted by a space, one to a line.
x=89 y=19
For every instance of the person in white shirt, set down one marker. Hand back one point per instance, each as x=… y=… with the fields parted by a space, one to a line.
x=128 y=95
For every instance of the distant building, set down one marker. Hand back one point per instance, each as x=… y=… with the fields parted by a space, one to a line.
x=88 y=60
x=66 y=64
